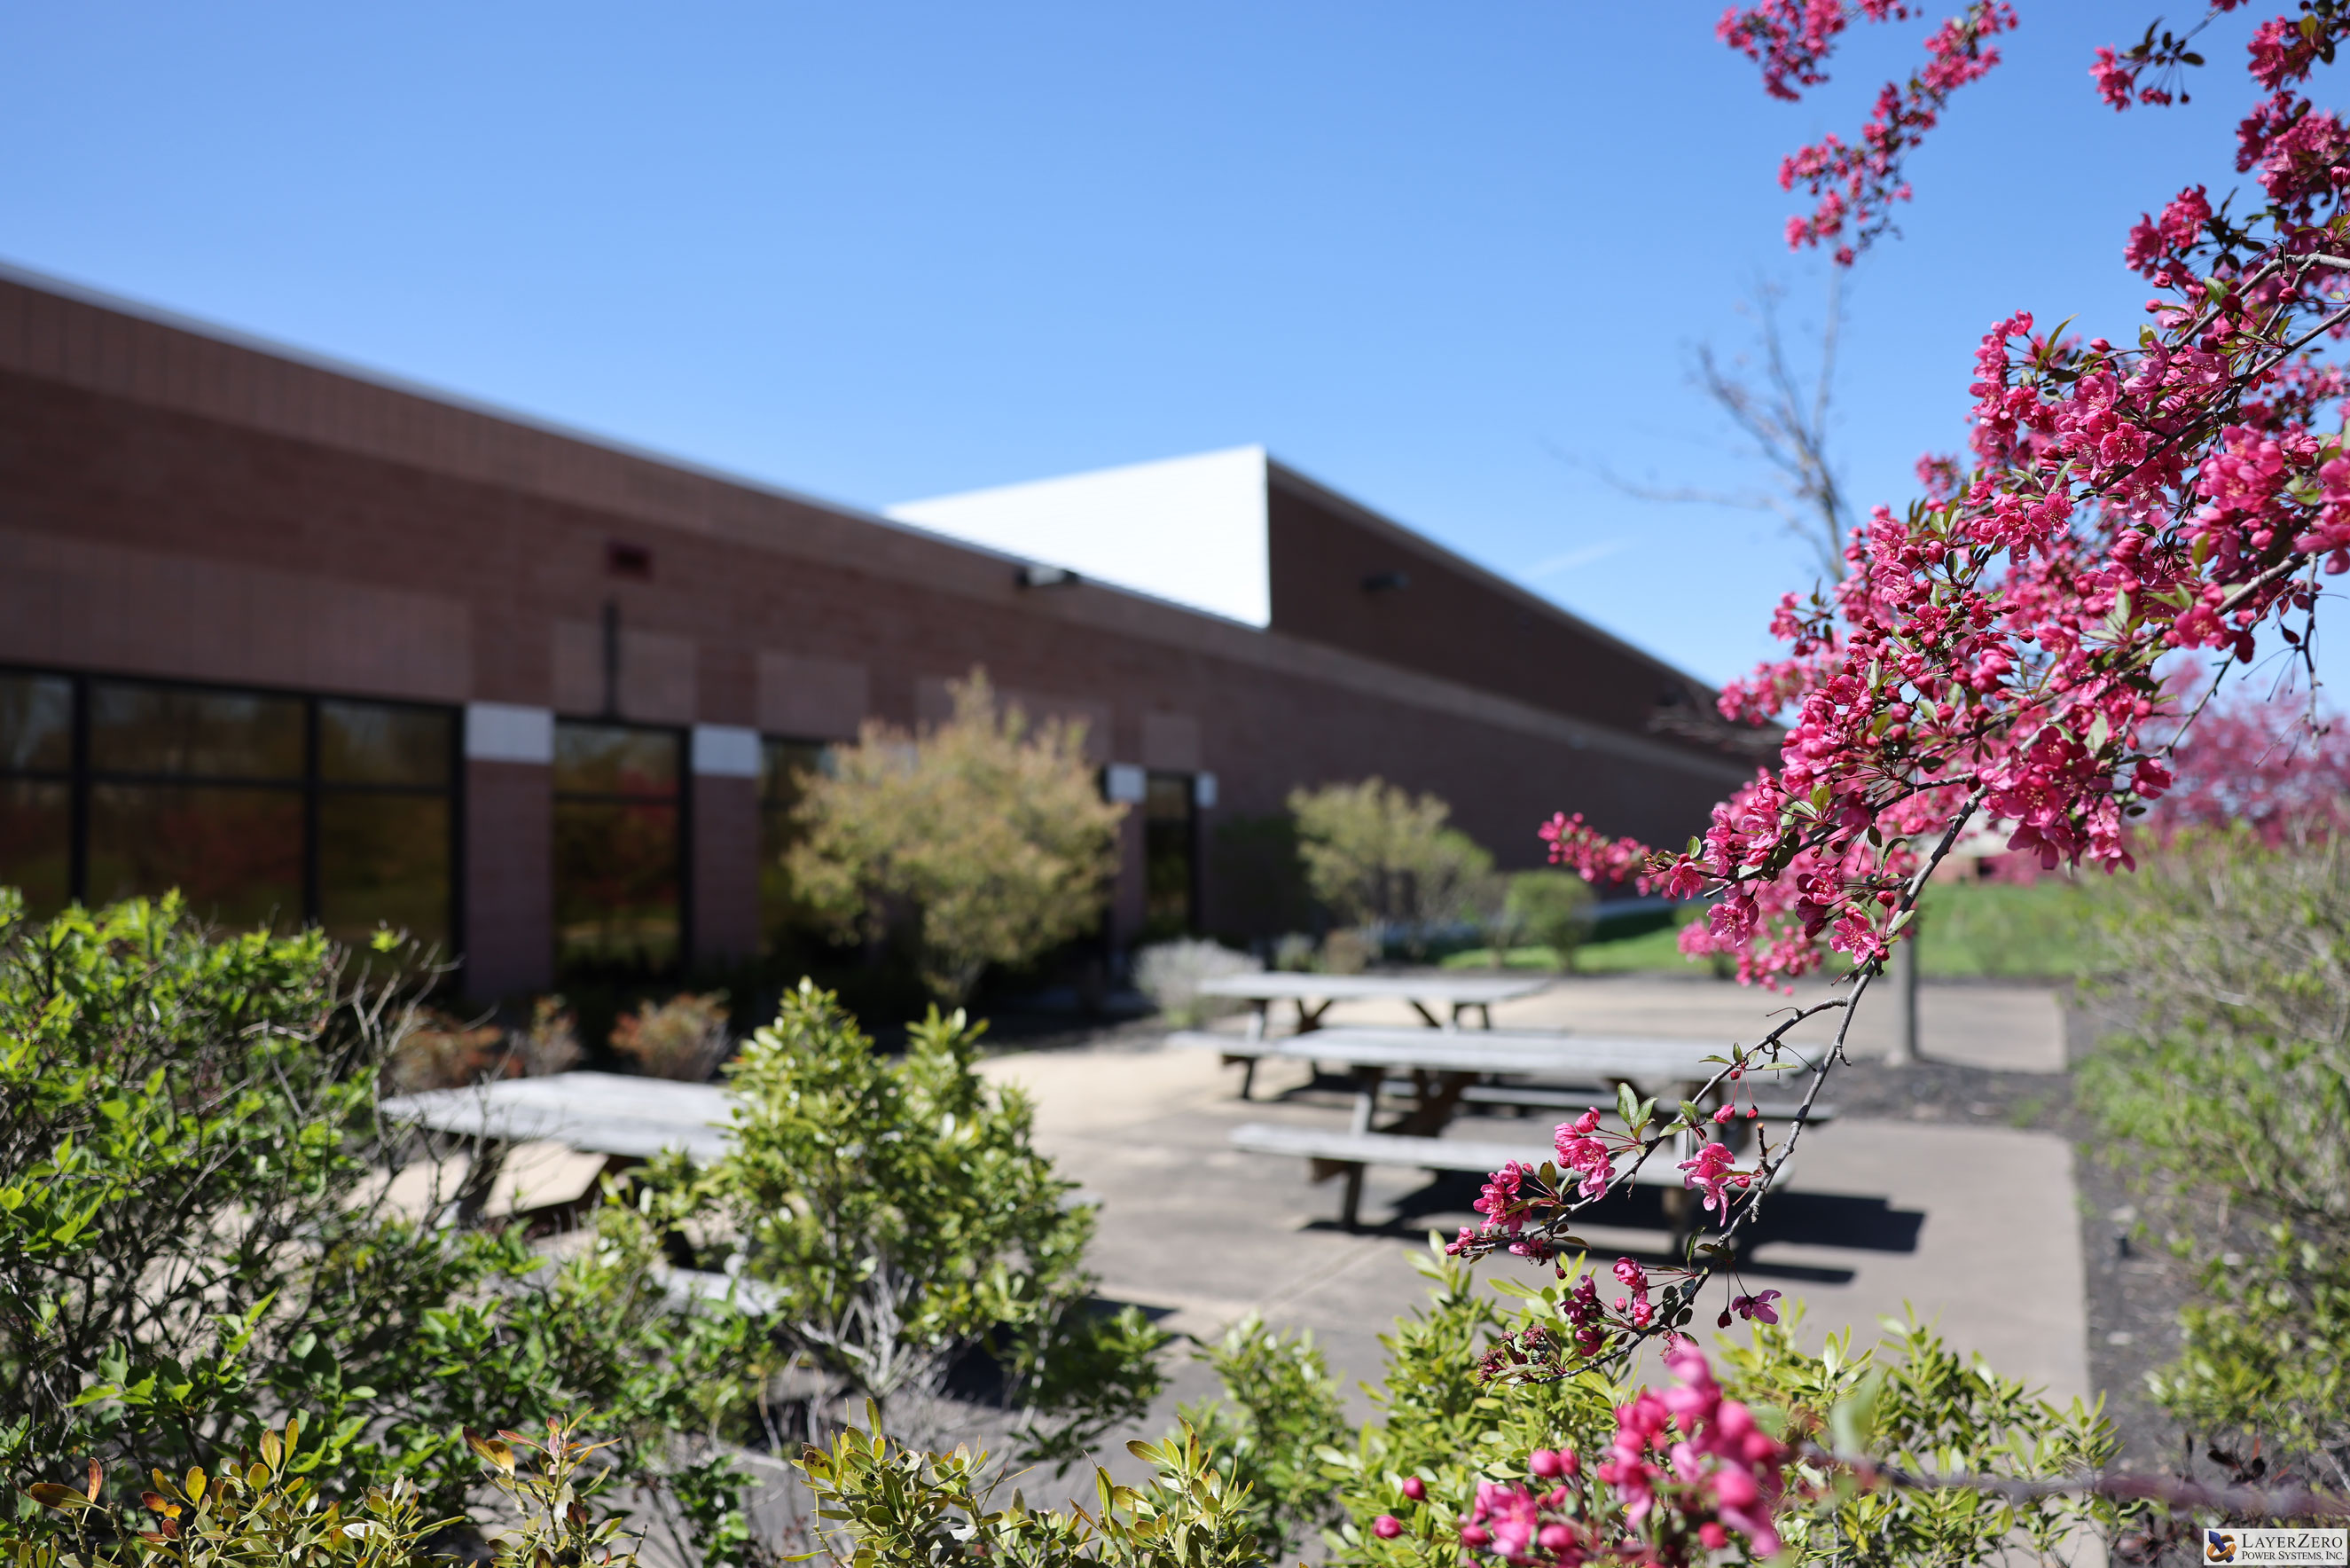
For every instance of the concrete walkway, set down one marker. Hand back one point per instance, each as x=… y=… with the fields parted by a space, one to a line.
x=1976 y=1227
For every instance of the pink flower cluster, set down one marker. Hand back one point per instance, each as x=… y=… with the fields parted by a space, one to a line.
x=1688 y=1473
x=1857 y=183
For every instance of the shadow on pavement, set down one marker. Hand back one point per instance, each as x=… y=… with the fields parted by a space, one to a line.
x=1840 y=1219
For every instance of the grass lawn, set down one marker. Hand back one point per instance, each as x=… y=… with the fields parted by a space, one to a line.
x=2045 y=931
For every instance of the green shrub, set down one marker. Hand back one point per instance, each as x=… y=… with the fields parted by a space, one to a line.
x=1280 y=1410
x=258 y=1512
x=202 y=1227
x=895 y=1216
x=1452 y=1416
x=1551 y=909
x=892 y=1507
x=2231 y=1094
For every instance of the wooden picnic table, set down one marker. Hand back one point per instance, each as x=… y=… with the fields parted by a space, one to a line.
x=596 y=1112
x=1314 y=993
x=1442 y=1065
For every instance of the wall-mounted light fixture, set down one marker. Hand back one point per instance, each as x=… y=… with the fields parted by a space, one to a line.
x=1386 y=582
x=1036 y=575
x=625 y=560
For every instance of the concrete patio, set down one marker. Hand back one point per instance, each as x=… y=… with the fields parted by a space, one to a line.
x=1974 y=1226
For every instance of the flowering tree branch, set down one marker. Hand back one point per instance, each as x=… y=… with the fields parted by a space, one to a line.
x=2000 y=647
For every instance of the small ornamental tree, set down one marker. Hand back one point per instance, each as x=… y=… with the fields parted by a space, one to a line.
x=1376 y=853
x=983 y=840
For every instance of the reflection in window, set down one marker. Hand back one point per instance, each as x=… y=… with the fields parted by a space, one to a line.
x=785 y=767
x=257 y=806
x=377 y=743
x=619 y=847
x=182 y=731
x=236 y=854
x=35 y=789
x=384 y=857
x=36 y=842
x=36 y=723
x=1169 y=851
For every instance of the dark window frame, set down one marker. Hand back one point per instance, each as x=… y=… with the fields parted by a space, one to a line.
x=81 y=778
x=680 y=800
x=1192 y=911
x=767 y=810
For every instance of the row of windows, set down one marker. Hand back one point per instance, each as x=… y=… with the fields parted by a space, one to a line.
x=265 y=807
x=259 y=807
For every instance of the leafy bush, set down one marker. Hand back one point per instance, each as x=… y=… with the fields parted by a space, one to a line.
x=1375 y=853
x=894 y=1217
x=204 y=1224
x=980 y=841
x=438 y=1052
x=1470 y=1397
x=549 y=1042
x=2230 y=1092
x=1280 y=1410
x=1553 y=909
x=683 y=1038
x=1169 y=974
x=896 y=1506
x=260 y=1511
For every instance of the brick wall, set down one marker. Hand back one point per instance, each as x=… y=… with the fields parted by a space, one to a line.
x=175 y=506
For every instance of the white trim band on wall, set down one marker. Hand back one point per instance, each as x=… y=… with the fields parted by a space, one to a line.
x=509 y=733
x=725 y=751
x=1125 y=783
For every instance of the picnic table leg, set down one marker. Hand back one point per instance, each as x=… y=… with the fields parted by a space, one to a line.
x=1258 y=1008
x=1485 y=1011
x=1435 y=1100
x=1248 y=1073
x=488 y=1158
x=1366 y=1101
x=1350 y=1205
x=1425 y=1015
x=1309 y=1019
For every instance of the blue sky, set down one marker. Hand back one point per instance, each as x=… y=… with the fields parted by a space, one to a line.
x=1451 y=260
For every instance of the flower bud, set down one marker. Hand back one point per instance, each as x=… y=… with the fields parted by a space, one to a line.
x=1415 y=1489
x=1474 y=1535
x=1544 y=1463
x=1556 y=1538
x=1387 y=1527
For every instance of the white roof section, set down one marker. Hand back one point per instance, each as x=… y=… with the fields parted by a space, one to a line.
x=1191 y=530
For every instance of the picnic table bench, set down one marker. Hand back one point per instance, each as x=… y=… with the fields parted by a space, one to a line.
x=1329 y=1152
x=1446 y=1068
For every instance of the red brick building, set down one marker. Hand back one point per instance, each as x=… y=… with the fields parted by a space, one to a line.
x=315 y=644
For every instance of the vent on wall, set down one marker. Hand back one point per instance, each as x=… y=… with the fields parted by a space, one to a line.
x=1386 y=582
x=633 y=561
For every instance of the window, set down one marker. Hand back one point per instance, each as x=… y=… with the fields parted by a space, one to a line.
x=36 y=788
x=619 y=848
x=785 y=767
x=385 y=819
x=257 y=807
x=1169 y=854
